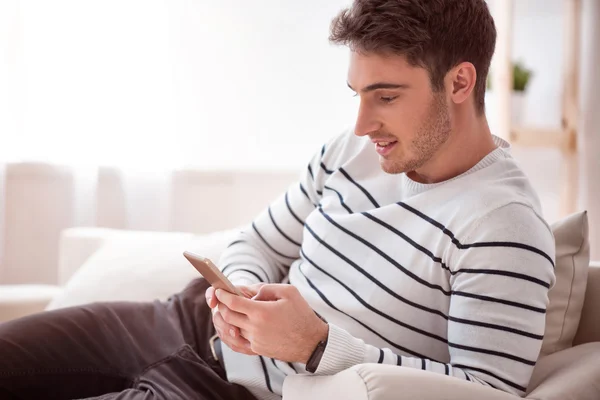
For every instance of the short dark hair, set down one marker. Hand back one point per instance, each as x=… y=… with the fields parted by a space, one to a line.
x=434 y=34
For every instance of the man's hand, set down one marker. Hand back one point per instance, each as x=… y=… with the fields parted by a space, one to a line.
x=230 y=334
x=276 y=322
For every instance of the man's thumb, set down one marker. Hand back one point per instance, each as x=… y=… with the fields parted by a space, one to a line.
x=268 y=293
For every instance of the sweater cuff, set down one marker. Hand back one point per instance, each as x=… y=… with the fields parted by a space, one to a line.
x=342 y=352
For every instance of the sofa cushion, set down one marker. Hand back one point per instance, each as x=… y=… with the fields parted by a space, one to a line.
x=139 y=267
x=568 y=293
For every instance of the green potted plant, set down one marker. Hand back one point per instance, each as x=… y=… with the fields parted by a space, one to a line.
x=521 y=77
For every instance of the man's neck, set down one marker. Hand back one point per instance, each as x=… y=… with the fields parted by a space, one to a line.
x=469 y=142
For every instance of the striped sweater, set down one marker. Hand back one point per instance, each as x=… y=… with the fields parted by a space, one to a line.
x=451 y=277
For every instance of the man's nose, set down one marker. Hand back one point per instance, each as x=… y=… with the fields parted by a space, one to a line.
x=365 y=121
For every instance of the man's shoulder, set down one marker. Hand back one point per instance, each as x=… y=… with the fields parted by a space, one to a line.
x=511 y=216
x=503 y=216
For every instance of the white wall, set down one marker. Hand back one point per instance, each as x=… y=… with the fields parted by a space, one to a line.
x=538 y=42
x=156 y=84
x=276 y=78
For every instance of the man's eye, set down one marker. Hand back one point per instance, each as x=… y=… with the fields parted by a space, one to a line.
x=388 y=99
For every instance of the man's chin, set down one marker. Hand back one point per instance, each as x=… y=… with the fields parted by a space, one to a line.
x=390 y=167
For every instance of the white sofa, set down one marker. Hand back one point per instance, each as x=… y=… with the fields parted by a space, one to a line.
x=105 y=264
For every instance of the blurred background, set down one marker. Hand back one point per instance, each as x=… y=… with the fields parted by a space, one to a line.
x=190 y=115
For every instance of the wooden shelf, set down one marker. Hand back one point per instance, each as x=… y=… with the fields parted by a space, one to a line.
x=560 y=139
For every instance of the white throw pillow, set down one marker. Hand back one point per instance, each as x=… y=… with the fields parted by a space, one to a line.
x=568 y=293
x=139 y=267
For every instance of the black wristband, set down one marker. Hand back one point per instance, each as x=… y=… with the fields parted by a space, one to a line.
x=315 y=358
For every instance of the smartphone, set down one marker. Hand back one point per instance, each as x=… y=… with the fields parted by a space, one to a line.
x=211 y=273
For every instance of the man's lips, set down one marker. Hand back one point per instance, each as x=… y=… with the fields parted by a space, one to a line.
x=383 y=140
x=384 y=147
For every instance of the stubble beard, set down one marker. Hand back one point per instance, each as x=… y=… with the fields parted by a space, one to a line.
x=431 y=135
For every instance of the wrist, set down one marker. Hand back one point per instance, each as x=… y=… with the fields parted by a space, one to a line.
x=324 y=331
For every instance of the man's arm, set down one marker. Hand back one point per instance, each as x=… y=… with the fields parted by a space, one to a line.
x=500 y=277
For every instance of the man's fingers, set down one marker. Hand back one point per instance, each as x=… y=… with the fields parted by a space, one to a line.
x=211 y=299
x=223 y=328
x=230 y=335
x=236 y=303
x=233 y=317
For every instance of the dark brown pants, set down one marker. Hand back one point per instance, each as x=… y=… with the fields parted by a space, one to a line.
x=119 y=350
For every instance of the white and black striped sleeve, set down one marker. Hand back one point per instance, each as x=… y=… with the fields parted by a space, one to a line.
x=508 y=255
x=264 y=251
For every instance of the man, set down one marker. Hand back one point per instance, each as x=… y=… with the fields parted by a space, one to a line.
x=415 y=240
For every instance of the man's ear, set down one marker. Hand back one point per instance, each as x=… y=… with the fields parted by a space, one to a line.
x=460 y=82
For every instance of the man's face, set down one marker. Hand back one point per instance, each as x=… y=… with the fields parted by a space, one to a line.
x=399 y=111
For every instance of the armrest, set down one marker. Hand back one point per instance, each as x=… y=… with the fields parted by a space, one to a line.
x=572 y=374
x=17 y=301
x=387 y=382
